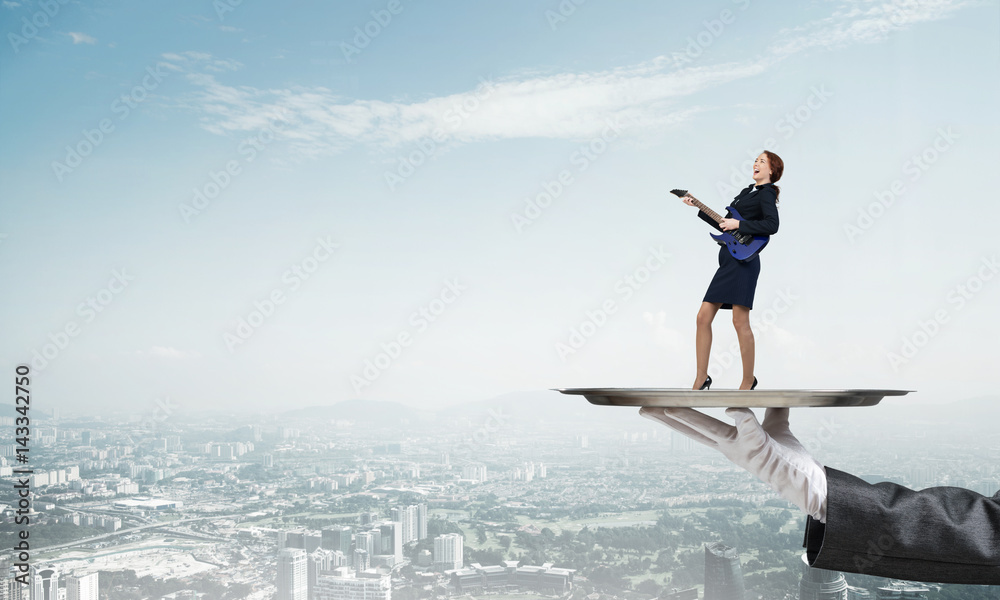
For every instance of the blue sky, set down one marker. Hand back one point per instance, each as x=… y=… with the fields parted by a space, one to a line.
x=353 y=188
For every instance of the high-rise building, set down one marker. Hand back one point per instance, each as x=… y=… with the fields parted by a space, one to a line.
x=392 y=539
x=293 y=574
x=337 y=537
x=44 y=583
x=406 y=519
x=11 y=588
x=364 y=540
x=820 y=584
x=412 y=521
x=474 y=472
x=81 y=588
x=362 y=560
x=448 y=551
x=421 y=521
x=318 y=561
x=312 y=541
x=292 y=539
x=344 y=585
x=723 y=576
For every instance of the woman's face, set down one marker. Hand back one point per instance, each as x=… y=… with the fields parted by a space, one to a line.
x=762 y=170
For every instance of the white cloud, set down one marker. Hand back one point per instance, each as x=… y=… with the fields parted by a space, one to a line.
x=82 y=38
x=568 y=106
x=864 y=22
x=314 y=120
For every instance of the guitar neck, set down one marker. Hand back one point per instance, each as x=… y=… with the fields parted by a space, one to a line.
x=708 y=211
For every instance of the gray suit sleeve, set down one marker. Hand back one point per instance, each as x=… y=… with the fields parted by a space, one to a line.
x=941 y=535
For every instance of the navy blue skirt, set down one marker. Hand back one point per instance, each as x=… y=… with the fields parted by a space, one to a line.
x=735 y=282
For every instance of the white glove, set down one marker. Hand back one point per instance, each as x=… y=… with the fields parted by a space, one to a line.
x=770 y=452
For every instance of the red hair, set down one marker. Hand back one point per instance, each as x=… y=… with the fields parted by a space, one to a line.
x=777 y=167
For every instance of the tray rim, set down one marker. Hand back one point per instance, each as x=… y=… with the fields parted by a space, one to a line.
x=760 y=398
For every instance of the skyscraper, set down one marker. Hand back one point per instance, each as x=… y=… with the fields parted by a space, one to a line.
x=337 y=537
x=81 y=588
x=44 y=584
x=293 y=582
x=820 y=584
x=365 y=540
x=723 y=576
x=407 y=518
x=362 y=560
x=421 y=521
x=448 y=551
x=392 y=539
x=318 y=561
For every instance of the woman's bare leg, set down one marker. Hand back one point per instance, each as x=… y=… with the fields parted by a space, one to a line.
x=741 y=321
x=703 y=340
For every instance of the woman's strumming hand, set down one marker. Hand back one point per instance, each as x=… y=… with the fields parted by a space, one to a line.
x=729 y=224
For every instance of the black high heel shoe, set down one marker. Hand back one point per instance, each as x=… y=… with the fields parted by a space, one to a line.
x=707 y=384
x=754 y=383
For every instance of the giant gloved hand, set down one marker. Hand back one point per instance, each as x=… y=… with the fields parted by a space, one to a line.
x=768 y=451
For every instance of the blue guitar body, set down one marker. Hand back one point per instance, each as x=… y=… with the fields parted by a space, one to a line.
x=742 y=246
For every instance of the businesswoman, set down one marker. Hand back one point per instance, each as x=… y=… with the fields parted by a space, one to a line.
x=734 y=283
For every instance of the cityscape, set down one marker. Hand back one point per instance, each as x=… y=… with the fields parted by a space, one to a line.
x=529 y=495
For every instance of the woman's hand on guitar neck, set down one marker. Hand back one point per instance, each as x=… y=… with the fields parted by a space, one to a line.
x=688 y=199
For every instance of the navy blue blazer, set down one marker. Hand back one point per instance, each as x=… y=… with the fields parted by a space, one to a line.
x=759 y=210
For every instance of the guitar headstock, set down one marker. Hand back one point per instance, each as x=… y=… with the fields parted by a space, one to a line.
x=679 y=193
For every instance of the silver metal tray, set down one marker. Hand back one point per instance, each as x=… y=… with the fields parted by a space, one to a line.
x=727 y=398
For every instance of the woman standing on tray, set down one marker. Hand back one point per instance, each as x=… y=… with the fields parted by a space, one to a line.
x=734 y=283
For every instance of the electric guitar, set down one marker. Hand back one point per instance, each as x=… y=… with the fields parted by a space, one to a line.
x=742 y=246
